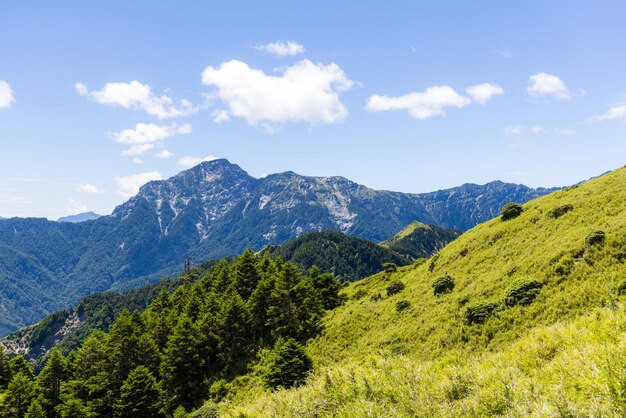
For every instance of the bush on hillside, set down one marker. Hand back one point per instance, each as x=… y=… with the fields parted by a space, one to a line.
x=443 y=285
x=208 y=410
x=595 y=238
x=560 y=211
x=395 y=287
x=621 y=289
x=289 y=364
x=402 y=305
x=510 y=211
x=219 y=390
x=390 y=267
x=522 y=292
x=479 y=312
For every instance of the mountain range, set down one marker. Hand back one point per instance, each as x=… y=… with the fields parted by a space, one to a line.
x=79 y=217
x=212 y=210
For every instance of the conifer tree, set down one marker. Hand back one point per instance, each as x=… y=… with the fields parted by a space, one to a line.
x=35 y=410
x=19 y=394
x=18 y=364
x=49 y=382
x=182 y=367
x=139 y=396
x=282 y=314
x=245 y=273
x=5 y=370
x=289 y=364
x=74 y=408
x=234 y=323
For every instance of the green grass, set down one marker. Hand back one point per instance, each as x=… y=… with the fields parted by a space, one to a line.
x=564 y=354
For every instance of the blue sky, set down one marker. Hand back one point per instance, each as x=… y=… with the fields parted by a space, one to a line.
x=408 y=96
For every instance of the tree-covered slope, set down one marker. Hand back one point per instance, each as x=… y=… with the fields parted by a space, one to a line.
x=420 y=240
x=347 y=257
x=522 y=317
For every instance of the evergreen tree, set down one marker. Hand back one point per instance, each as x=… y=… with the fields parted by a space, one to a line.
x=5 y=369
x=35 y=410
x=49 y=382
x=282 y=315
x=235 y=335
x=245 y=274
x=328 y=287
x=139 y=396
x=18 y=364
x=289 y=364
x=182 y=367
x=74 y=408
x=19 y=394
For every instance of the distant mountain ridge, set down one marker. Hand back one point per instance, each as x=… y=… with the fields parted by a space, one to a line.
x=212 y=210
x=80 y=217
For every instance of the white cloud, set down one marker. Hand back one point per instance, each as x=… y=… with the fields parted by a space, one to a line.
x=128 y=186
x=513 y=130
x=537 y=130
x=190 y=161
x=6 y=95
x=304 y=92
x=518 y=130
x=482 y=93
x=282 y=48
x=421 y=105
x=137 y=160
x=135 y=95
x=220 y=116
x=565 y=132
x=164 y=154
x=505 y=53
x=145 y=136
x=614 y=112
x=76 y=206
x=543 y=84
x=89 y=188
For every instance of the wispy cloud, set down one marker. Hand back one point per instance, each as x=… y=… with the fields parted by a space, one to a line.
x=164 y=154
x=145 y=136
x=434 y=101
x=89 y=188
x=6 y=95
x=138 y=96
x=282 y=48
x=544 y=84
x=189 y=161
x=613 y=113
x=128 y=186
x=304 y=92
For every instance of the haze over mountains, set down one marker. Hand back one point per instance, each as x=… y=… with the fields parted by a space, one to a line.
x=212 y=210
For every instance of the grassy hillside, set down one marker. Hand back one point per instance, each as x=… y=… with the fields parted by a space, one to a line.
x=420 y=240
x=532 y=326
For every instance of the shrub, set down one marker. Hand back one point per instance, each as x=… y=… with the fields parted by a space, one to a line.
x=402 y=305
x=359 y=294
x=289 y=364
x=522 y=292
x=596 y=237
x=395 y=287
x=390 y=267
x=621 y=289
x=510 y=211
x=560 y=211
x=219 y=390
x=478 y=312
x=443 y=284
x=208 y=410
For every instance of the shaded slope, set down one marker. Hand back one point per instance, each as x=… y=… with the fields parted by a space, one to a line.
x=419 y=240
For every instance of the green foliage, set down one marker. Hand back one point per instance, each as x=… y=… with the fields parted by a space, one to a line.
x=511 y=211
x=289 y=365
x=390 y=267
x=35 y=410
x=522 y=292
x=402 y=305
x=139 y=396
x=19 y=394
x=208 y=410
x=560 y=211
x=49 y=382
x=219 y=390
x=348 y=258
x=73 y=408
x=595 y=238
x=395 y=287
x=479 y=312
x=443 y=284
x=5 y=369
